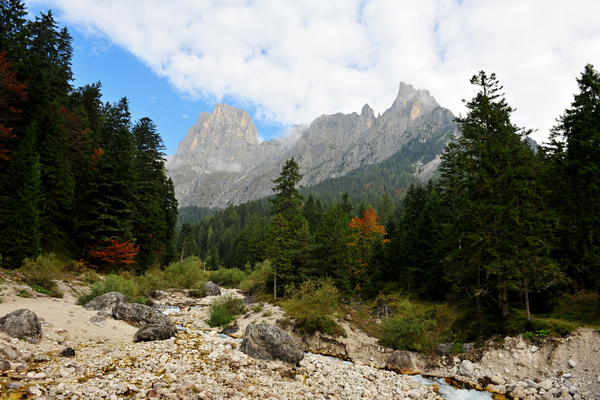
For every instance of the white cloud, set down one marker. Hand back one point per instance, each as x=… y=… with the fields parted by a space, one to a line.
x=294 y=61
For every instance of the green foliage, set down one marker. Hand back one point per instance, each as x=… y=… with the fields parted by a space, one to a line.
x=258 y=308
x=186 y=274
x=42 y=272
x=537 y=334
x=313 y=304
x=456 y=348
x=257 y=278
x=116 y=283
x=224 y=309
x=416 y=327
x=228 y=277
x=23 y=293
x=267 y=313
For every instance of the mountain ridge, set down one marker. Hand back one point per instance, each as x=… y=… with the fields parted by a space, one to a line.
x=221 y=162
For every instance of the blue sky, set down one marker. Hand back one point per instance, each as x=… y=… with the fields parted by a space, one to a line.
x=289 y=62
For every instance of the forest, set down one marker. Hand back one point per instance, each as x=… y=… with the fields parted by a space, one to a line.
x=503 y=228
x=77 y=176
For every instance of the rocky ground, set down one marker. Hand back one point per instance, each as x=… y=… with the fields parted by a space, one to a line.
x=201 y=363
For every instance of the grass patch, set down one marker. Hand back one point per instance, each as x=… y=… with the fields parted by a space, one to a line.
x=313 y=303
x=224 y=310
x=258 y=308
x=23 y=293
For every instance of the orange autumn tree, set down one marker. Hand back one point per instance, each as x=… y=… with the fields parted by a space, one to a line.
x=365 y=230
x=114 y=252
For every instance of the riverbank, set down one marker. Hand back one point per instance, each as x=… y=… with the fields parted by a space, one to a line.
x=201 y=363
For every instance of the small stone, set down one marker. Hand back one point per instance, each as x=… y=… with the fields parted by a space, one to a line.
x=572 y=363
x=41 y=358
x=534 y=349
x=67 y=352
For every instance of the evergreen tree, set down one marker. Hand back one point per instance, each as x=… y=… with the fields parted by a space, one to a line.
x=575 y=154
x=20 y=225
x=504 y=226
x=312 y=212
x=287 y=200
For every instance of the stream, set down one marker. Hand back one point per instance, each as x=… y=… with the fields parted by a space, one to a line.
x=444 y=390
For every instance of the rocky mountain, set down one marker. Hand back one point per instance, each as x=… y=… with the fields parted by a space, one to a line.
x=221 y=162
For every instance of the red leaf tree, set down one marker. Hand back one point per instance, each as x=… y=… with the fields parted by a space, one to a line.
x=365 y=229
x=114 y=252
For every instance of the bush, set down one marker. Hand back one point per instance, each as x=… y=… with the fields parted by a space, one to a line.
x=186 y=274
x=416 y=328
x=224 y=309
x=42 y=272
x=228 y=277
x=257 y=279
x=115 y=283
x=313 y=304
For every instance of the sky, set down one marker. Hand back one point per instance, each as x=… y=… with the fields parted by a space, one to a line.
x=287 y=62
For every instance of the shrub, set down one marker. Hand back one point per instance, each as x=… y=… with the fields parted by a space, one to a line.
x=224 y=309
x=186 y=274
x=115 y=283
x=42 y=272
x=258 y=308
x=313 y=304
x=257 y=279
x=197 y=293
x=23 y=293
x=228 y=277
x=416 y=328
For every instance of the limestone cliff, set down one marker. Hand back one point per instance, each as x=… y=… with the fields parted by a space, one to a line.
x=221 y=162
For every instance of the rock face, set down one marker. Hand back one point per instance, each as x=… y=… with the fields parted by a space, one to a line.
x=22 y=324
x=221 y=162
x=268 y=342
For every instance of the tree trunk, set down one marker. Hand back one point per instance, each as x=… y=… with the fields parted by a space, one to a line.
x=527 y=301
x=503 y=296
x=275 y=283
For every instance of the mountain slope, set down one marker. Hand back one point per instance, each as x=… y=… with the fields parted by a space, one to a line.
x=221 y=162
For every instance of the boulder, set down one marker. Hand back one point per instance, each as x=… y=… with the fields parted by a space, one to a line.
x=22 y=324
x=212 y=289
x=107 y=301
x=135 y=313
x=148 y=333
x=269 y=342
x=443 y=349
x=154 y=324
x=400 y=361
x=384 y=311
x=466 y=368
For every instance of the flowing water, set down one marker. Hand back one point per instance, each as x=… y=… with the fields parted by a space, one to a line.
x=449 y=393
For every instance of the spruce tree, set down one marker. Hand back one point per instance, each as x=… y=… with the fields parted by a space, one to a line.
x=575 y=154
x=504 y=226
